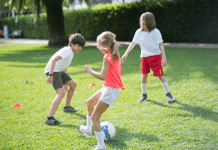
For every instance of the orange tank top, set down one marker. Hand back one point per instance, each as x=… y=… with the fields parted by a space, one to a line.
x=113 y=75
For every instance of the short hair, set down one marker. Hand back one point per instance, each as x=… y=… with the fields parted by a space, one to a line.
x=149 y=20
x=77 y=38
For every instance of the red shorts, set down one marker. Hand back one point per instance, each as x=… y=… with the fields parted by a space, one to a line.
x=153 y=63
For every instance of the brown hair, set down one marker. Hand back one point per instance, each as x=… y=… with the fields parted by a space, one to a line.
x=149 y=20
x=76 y=38
x=107 y=39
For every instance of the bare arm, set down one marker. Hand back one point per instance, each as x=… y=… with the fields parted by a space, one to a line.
x=104 y=70
x=164 y=59
x=131 y=46
x=50 y=78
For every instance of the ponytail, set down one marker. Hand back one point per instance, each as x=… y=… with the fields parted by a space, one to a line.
x=108 y=39
x=115 y=51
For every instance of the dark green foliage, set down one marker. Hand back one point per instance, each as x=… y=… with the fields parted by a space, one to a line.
x=26 y=23
x=178 y=21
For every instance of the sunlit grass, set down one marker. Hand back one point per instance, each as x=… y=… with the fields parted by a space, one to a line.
x=189 y=123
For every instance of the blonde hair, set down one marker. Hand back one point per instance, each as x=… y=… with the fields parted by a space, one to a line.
x=107 y=39
x=149 y=20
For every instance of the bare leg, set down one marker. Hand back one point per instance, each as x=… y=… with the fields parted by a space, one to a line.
x=70 y=92
x=92 y=101
x=163 y=79
x=56 y=101
x=101 y=107
x=144 y=78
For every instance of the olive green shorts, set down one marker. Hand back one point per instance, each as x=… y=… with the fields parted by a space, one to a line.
x=59 y=79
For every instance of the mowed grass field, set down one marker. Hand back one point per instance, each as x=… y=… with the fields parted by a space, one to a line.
x=191 y=122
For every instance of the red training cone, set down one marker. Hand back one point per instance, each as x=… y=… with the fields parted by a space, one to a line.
x=92 y=84
x=17 y=105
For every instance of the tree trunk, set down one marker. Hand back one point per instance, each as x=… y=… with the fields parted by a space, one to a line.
x=55 y=20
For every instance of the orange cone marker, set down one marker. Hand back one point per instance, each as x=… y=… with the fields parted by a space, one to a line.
x=92 y=84
x=17 y=105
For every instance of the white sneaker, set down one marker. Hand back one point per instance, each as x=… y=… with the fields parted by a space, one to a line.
x=100 y=148
x=84 y=130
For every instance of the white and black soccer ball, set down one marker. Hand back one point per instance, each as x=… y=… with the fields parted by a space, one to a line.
x=108 y=130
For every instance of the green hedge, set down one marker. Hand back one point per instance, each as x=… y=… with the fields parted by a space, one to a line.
x=26 y=23
x=122 y=19
x=178 y=21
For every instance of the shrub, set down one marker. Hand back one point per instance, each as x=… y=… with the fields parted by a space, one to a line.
x=178 y=21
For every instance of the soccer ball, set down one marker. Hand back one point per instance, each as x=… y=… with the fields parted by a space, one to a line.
x=108 y=130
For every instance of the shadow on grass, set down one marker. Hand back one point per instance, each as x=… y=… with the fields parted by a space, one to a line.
x=77 y=114
x=119 y=143
x=183 y=63
x=68 y=126
x=126 y=136
x=42 y=54
x=197 y=111
x=188 y=63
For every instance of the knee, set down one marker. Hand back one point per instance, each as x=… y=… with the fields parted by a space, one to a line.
x=145 y=76
x=89 y=104
x=73 y=85
x=61 y=93
x=94 y=118
x=163 y=79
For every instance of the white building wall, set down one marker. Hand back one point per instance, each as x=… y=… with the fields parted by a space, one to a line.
x=77 y=5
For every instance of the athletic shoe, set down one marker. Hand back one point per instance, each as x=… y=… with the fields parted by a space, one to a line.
x=70 y=109
x=170 y=98
x=52 y=121
x=143 y=99
x=84 y=130
x=100 y=148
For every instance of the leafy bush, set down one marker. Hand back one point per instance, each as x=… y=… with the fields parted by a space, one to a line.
x=26 y=23
x=178 y=21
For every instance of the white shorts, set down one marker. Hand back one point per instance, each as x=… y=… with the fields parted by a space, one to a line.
x=109 y=95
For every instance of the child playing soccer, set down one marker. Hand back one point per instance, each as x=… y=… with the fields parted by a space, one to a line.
x=57 y=76
x=110 y=74
x=150 y=41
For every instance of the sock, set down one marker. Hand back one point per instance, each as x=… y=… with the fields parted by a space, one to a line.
x=166 y=87
x=100 y=138
x=50 y=118
x=89 y=123
x=144 y=88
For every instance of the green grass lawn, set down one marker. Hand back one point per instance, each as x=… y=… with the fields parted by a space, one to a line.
x=191 y=122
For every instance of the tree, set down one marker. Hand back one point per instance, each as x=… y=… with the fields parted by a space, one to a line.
x=55 y=17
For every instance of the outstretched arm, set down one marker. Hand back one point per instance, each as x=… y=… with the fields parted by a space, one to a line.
x=103 y=74
x=164 y=59
x=131 y=46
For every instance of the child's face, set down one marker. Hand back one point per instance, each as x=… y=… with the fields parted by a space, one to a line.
x=76 y=48
x=142 y=24
x=104 y=50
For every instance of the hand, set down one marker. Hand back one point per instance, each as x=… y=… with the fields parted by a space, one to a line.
x=49 y=80
x=65 y=88
x=124 y=57
x=164 y=61
x=87 y=68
